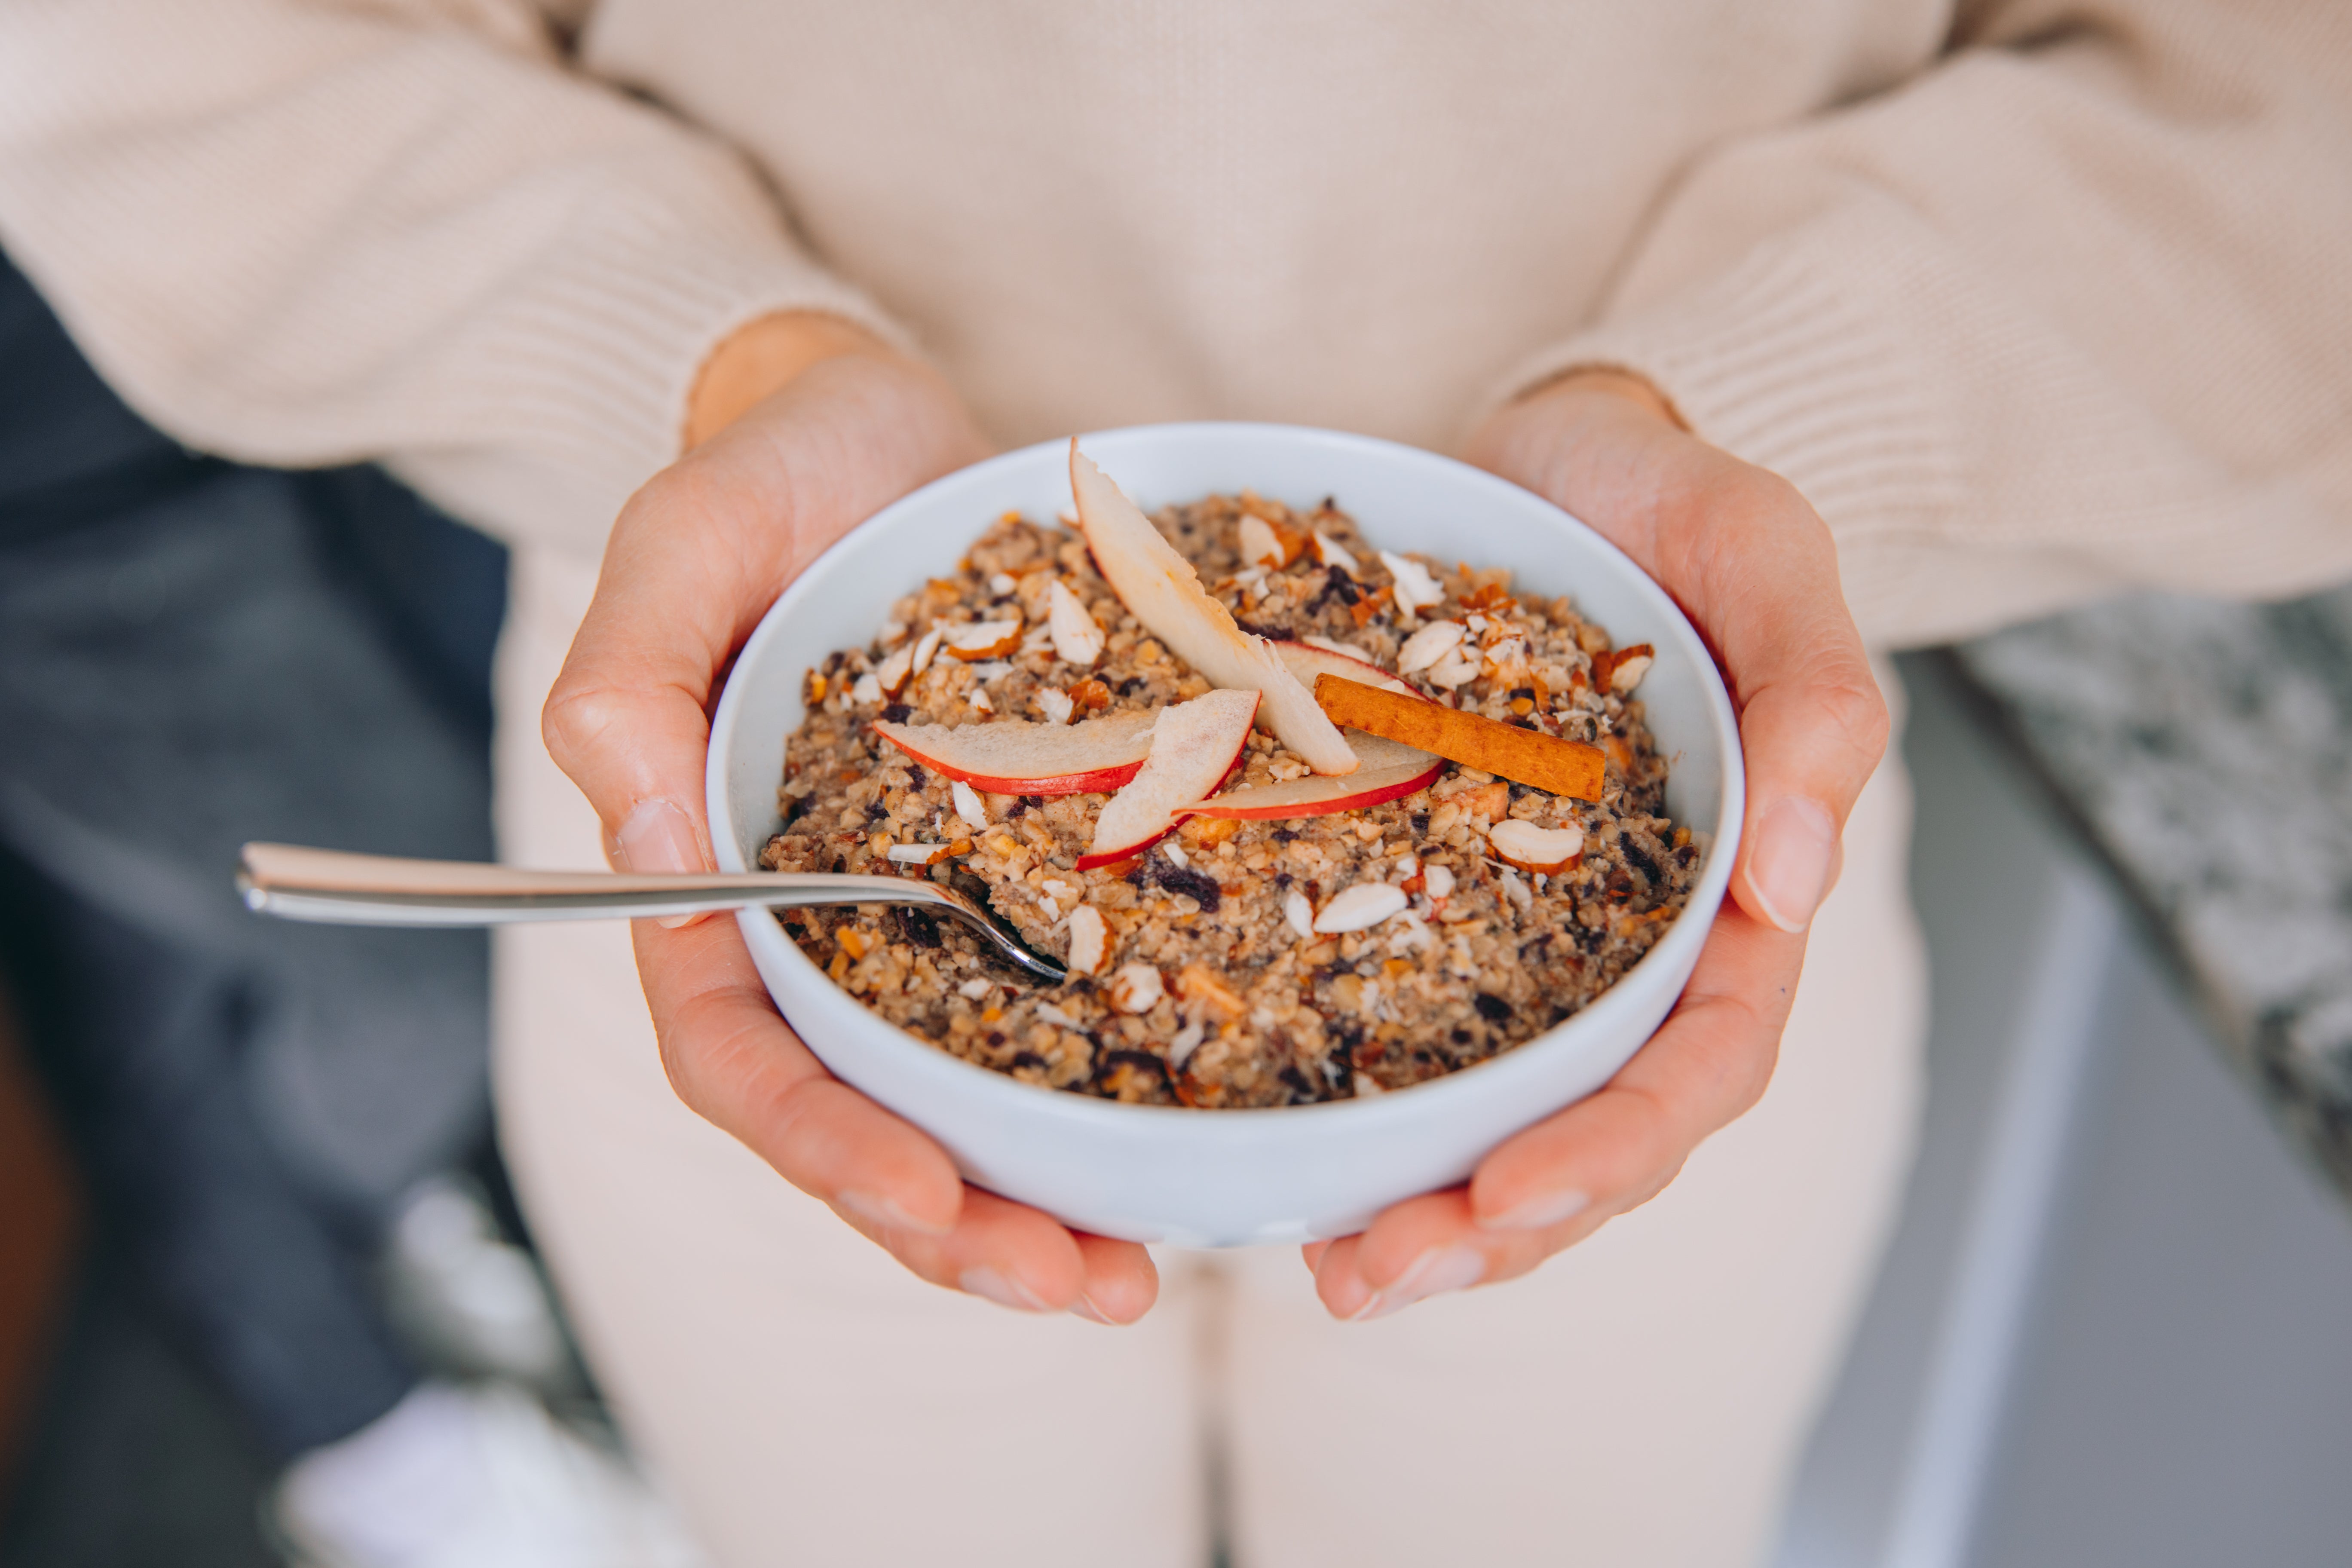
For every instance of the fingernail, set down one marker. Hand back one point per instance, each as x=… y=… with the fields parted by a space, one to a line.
x=1352 y=1299
x=658 y=840
x=1795 y=841
x=1539 y=1213
x=995 y=1287
x=876 y=1209
x=1434 y=1273
x=1084 y=1307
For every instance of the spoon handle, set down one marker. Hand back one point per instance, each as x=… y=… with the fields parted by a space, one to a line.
x=335 y=887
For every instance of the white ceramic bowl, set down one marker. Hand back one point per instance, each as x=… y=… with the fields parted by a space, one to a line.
x=1224 y=1178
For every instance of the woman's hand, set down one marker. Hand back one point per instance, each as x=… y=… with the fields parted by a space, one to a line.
x=1754 y=568
x=803 y=427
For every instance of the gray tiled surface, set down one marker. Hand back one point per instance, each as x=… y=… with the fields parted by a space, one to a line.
x=2206 y=749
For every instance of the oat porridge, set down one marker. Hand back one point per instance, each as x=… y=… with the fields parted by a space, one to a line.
x=1324 y=821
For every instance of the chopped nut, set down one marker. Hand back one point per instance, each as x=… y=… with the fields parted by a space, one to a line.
x=1199 y=984
x=1329 y=551
x=925 y=648
x=1089 y=940
x=1135 y=988
x=1545 y=850
x=1077 y=637
x=982 y=640
x=1622 y=670
x=1299 y=913
x=1365 y=904
x=1429 y=645
x=968 y=804
x=1415 y=588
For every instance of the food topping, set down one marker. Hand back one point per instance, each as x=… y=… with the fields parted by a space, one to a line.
x=1299 y=935
x=982 y=640
x=1160 y=587
x=1528 y=756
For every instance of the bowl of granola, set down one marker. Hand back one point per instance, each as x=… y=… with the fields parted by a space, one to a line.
x=1376 y=807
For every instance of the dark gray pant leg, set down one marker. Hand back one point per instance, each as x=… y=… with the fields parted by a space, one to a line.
x=193 y=655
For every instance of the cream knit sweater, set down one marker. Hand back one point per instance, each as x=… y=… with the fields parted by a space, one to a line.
x=2034 y=301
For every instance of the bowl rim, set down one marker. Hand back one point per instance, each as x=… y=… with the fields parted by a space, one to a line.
x=913 y=1054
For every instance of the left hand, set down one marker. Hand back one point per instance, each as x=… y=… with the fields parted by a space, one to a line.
x=1755 y=569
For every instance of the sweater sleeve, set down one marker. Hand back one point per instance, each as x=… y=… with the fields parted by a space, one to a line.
x=2068 y=313
x=299 y=233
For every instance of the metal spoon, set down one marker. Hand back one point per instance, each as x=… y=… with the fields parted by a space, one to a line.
x=339 y=888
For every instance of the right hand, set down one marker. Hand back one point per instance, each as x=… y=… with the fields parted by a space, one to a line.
x=696 y=558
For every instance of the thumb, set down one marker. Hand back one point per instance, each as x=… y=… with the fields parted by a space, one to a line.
x=1760 y=570
x=1753 y=565
x=694 y=562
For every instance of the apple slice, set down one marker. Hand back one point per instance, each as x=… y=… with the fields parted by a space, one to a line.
x=1306 y=661
x=982 y=640
x=1193 y=746
x=1012 y=756
x=1388 y=771
x=1165 y=592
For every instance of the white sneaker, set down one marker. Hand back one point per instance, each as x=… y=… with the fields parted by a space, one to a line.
x=466 y=1300
x=473 y=1475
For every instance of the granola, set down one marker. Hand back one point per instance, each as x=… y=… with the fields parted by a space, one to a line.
x=1222 y=975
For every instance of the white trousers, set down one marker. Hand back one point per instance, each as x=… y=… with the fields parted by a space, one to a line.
x=1640 y=1400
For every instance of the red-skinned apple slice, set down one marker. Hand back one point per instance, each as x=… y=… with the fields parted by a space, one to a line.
x=1012 y=756
x=1163 y=592
x=1306 y=661
x=1388 y=771
x=1193 y=747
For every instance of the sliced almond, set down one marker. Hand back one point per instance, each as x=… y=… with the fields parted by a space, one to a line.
x=1089 y=940
x=1429 y=645
x=1331 y=552
x=865 y=688
x=982 y=640
x=968 y=804
x=1415 y=588
x=891 y=674
x=1359 y=908
x=1547 y=851
x=1453 y=671
x=1056 y=705
x=925 y=647
x=1622 y=670
x=1075 y=637
x=1299 y=913
x=1261 y=545
x=1137 y=988
x=929 y=854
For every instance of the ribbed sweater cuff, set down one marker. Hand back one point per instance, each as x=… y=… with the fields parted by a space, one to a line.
x=599 y=364
x=1804 y=358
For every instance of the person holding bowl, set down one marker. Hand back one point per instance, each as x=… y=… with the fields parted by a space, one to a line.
x=1853 y=326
